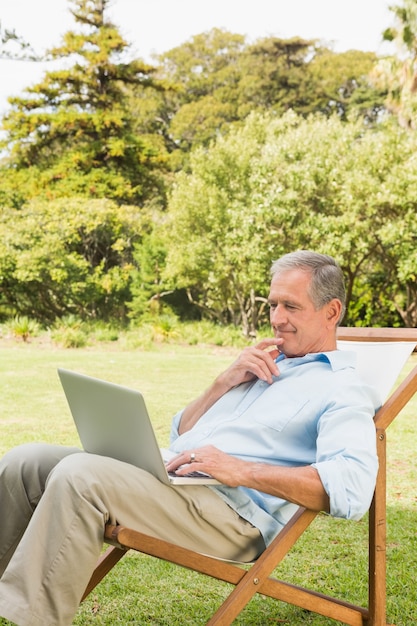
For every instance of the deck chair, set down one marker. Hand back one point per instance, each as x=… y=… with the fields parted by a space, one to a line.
x=257 y=578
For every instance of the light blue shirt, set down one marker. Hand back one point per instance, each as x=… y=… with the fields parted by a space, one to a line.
x=316 y=412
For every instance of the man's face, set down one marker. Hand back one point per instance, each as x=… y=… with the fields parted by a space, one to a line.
x=294 y=317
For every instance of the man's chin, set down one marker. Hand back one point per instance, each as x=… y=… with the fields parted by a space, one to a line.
x=285 y=348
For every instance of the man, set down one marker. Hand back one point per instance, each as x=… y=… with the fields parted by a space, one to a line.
x=287 y=424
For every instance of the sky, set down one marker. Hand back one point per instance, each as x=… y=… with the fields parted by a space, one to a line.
x=155 y=26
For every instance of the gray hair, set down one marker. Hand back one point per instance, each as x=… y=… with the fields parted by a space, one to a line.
x=327 y=280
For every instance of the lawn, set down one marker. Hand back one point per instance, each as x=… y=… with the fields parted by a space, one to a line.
x=141 y=590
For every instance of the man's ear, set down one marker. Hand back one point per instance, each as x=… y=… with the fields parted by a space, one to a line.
x=334 y=311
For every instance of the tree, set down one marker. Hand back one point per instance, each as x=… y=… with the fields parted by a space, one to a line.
x=73 y=134
x=68 y=256
x=13 y=46
x=199 y=99
x=341 y=83
x=398 y=74
x=274 y=74
x=221 y=263
x=280 y=184
x=216 y=79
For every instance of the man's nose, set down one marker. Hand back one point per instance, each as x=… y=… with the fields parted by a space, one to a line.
x=278 y=315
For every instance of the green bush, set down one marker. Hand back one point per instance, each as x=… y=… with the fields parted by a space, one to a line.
x=23 y=327
x=70 y=332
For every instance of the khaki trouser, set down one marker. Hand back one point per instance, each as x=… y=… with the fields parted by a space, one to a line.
x=54 y=502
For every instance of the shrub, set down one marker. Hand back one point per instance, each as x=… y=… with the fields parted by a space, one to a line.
x=23 y=327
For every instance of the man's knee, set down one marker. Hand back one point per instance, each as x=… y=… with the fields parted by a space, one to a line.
x=28 y=457
x=36 y=454
x=79 y=471
x=33 y=461
x=24 y=471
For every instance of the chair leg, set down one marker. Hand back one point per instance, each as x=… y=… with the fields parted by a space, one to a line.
x=377 y=541
x=252 y=581
x=107 y=561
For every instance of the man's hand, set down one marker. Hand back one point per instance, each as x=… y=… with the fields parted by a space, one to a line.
x=300 y=485
x=254 y=362
x=210 y=460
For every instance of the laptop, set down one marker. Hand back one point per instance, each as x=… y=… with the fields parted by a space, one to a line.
x=113 y=421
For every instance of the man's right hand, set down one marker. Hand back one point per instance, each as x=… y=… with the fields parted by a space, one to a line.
x=254 y=362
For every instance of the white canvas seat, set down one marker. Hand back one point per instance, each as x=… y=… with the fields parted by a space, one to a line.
x=379 y=363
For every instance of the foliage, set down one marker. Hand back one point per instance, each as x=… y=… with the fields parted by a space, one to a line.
x=281 y=143
x=221 y=261
x=147 y=287
x=216 y=79
x=343 y=85
x=198 y=101
x=398 y=73
x=279 y=184
x=23 y=327
x=73 y=133
x=147 y=333
x=13 y=46
x=68 y=256
x=306 y=77
x=168 y=329
x=69 y=332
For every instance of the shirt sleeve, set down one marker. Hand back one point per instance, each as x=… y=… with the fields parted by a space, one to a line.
x=347 y=461
x=174 y=434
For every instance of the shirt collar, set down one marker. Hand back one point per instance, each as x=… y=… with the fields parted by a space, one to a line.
x=337 y=359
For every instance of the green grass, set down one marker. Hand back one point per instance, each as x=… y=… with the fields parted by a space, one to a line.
x=331 y=556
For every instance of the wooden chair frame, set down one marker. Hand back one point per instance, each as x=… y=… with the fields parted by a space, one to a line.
x=258 y=579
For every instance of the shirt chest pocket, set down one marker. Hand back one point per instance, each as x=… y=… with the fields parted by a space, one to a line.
x=278 y=415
